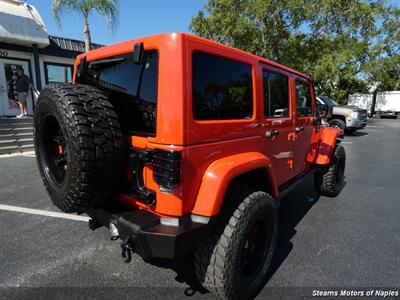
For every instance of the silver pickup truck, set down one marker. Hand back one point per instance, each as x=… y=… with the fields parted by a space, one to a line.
x=346 y=117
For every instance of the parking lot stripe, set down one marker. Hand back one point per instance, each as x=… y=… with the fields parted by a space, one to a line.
x=27 y=154
x=375 y=126
x=346 y=142
x=40 y=212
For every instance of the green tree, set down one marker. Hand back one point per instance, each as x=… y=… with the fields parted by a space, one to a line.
x=341 y=44
x=383 y=70
x=106 y=8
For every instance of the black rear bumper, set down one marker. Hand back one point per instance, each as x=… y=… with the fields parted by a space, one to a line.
x=148 y=236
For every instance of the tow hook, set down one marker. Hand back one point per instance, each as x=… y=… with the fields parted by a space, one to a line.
x=127 y=249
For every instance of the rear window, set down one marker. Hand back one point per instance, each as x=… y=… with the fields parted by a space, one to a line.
x=222 y=88
x=133 y=89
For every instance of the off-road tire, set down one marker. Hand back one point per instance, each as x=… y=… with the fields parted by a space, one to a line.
x=337 y=123
x=93 y=145
x=218 y=261
x=329 y=181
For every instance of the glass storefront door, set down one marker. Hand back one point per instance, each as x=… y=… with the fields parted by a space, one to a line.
x=8 y=94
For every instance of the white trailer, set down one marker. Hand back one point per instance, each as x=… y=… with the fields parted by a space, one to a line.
x=361 y=100
x=386 y=104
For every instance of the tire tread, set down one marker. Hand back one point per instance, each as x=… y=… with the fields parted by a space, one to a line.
x=214 y=262
x=96 y=142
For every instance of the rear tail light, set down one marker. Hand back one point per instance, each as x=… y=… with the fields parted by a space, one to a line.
x=167 y=168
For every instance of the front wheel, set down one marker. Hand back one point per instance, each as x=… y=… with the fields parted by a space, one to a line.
x=234 y=262
x=337 y=123
x=329 y=181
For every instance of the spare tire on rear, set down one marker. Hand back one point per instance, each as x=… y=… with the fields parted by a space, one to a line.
x=78 y=145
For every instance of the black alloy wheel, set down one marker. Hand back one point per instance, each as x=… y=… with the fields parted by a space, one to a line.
x=54 y=158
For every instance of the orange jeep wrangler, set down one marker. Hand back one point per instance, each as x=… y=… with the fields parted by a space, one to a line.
x=181 y=145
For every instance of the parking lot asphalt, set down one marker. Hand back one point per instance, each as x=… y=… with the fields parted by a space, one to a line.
x=351 y=241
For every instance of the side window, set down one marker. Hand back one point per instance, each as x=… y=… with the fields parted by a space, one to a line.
x=222 y=88
x=276 y=95
x=303 y=99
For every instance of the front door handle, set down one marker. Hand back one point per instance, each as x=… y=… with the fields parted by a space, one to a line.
x=269 y=134
x=299 y=129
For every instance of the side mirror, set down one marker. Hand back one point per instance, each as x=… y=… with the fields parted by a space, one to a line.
x=322 y=110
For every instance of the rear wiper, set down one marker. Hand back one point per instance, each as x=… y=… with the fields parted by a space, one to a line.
x=109 y=61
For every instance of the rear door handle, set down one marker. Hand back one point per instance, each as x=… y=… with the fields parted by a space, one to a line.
x=269 y=134
x=299 y=129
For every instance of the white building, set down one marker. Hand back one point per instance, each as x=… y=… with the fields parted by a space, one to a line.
x=24 y=42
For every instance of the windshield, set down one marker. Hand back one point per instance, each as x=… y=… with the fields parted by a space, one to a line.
x=328 y=101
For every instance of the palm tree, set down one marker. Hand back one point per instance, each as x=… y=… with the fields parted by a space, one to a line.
x=106 y=8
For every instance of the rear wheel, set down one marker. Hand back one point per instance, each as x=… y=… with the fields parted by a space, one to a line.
x=234 y=261
x=329 y=181
x=78 y=144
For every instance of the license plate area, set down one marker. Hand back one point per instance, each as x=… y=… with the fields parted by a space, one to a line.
x=137 y=189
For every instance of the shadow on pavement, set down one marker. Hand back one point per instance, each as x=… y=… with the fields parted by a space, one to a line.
x=294 y=207
x=184 y=269
x=358 y=133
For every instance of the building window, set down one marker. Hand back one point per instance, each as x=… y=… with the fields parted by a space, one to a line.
x=58 y=73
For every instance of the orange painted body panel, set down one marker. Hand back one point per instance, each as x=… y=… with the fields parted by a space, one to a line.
x=200 y=157
x=303 y=139
x=280 y=148
x=220 y=173
x=314 y=145
x=327 y=143
x=213 y=152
